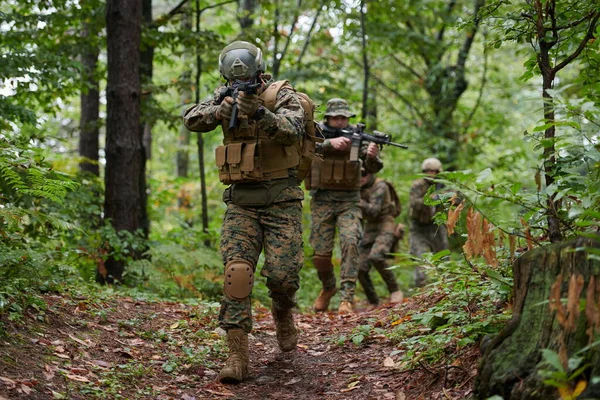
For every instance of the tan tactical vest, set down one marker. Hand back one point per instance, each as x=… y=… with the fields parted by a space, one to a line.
x=385 y=221
x=335 y=172
x=249 y=155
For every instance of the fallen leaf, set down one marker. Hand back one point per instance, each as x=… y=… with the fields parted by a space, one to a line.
x=79 y=341
x=8 y=382
x=400 y=395
x=3 y=398
x=77 y=378
x=100 y=363
x=293 y=381
x=186 y=397
x=175 y=325
x=225 y=393
x=388 y=362
x=26 y=389
x=65 y=356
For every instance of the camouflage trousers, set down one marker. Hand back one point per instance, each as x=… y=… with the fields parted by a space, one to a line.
x=346 y=217
x=245 y=232
x=375 y=254
x=426 y=238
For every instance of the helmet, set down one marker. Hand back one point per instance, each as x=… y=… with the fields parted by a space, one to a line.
x=431 y=164
x=241 y=60
x=337 y=107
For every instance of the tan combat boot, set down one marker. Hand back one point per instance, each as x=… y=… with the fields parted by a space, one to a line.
x=236 y=366
x=287 y=335
x=345 y=308
x=322 y=302
x=396 y=297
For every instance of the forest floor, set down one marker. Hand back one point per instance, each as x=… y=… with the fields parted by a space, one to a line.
x=78 y=348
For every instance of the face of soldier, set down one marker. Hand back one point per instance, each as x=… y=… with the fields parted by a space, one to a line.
x=338 y=121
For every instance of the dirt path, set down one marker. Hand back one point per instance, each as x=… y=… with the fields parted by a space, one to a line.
x=142 y=350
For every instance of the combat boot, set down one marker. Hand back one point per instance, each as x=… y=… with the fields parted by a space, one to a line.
x=322 y=301
x=287 y=335
x=236 y=366
x=396 y=297
x=345 y=308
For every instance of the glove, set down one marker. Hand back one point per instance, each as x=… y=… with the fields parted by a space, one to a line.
x=247 y=104
x=225 y=108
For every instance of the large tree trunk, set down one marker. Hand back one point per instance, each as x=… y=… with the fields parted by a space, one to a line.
x=89 y=125
x=510 y=364
x=124 y=152
x=147 y=122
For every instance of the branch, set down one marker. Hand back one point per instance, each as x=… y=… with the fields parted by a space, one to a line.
x=480 y=95
x=464 y=51
x=408 y=67
x=449 y=9
x=575 y=23
x=292 y=28
x=177 y=9
x=308 y=35
x=589 y=35
x=401 y=97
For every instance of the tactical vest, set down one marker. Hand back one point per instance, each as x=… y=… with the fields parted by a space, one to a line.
x=385 y=221
x=249 y=155
x=335 y=172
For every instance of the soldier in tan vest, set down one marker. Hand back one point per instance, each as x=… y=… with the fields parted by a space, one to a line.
x=335 y=192
x=259 y=162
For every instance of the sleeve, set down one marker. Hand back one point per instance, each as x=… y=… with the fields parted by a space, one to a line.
x=372 y=209
x=286 y=124
x=418 y=210
x=202 y=117
x=372 y=165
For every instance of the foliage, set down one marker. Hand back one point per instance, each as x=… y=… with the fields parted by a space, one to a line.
x=464 y=305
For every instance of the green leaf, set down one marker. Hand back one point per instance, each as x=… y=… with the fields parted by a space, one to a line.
x=551 y=358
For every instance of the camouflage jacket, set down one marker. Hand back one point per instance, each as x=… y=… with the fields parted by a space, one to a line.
x=372 y=165
x=376 y=205
x=419 y=211
x=284 y=125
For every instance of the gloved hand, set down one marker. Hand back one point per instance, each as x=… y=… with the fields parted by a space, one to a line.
x=247 y=104
x=225 y=108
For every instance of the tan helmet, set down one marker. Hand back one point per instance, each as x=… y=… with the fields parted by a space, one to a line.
x=241 y=60
x=431 y=164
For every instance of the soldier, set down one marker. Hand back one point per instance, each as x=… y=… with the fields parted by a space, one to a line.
x=258 y=160
x=335 y=192
x=425 y=235
x=379 y=206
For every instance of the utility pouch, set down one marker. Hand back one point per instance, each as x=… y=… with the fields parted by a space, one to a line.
x=257 y=194
x=221 y=161
x=234 y=157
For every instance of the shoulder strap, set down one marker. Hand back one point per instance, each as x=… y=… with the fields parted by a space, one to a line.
x=269 y=96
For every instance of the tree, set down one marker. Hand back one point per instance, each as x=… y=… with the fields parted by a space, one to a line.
x=89 y=123
x=124 y=150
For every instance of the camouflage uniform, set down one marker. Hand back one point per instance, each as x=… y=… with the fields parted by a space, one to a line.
x=379 y=236
x=331 y=209
x=276 y=227
x=425 y=235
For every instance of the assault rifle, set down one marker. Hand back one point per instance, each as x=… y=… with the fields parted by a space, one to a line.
x=358 y=135
x=232 y=91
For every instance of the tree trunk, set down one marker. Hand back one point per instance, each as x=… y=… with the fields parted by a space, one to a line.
x=147 y=121
x=510 y=364
x=200 y=142
x=89 y=124
x=124 y=151
x=185 y=96
x=246 y=13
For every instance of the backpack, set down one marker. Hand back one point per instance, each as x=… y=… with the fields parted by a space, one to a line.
x=306 y=147
x=395 y=199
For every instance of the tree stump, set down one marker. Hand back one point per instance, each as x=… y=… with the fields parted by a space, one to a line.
x=509 y=367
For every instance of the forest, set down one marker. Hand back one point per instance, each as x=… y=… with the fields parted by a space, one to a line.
x=111 y=210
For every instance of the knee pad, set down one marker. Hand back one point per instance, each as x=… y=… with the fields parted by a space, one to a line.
x=322 y=262
x=239 y=279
